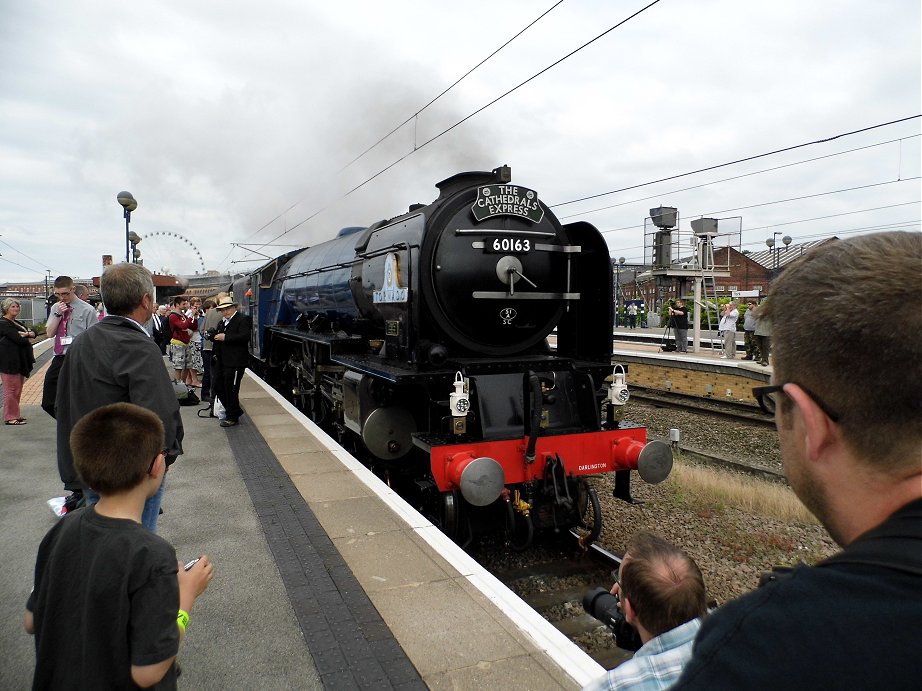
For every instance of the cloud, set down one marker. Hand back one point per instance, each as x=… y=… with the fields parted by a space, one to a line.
x=221 y=123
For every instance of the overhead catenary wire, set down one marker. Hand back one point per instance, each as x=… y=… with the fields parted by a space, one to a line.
x=778 y=201
x=455 y=83
x=463 y=120
x=18 y=251
x=739 y=160
x=737 y=177
x=418 y=112
x=10 y=261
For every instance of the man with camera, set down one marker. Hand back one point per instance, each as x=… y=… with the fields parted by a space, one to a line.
x=847 y=406
x=678 y=319
x=662 y=597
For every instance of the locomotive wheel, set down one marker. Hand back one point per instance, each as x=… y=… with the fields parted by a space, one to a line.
x=450 y=513
x=589 y=526
x=520 y=529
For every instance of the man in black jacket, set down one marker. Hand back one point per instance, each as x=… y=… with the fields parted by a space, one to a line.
x=846 y=401
x=118 y=362
x=231 y=348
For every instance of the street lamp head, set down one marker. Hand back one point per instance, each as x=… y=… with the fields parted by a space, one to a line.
x=134 y=238
x=770 y=242
x=786 y=240
x=127 y=201
x=621 y=260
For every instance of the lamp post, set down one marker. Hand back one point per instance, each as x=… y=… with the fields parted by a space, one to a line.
x=775 y=248
x=618 y=300
x=129 y=204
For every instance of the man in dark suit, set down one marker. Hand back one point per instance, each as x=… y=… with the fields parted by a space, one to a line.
x=231 y=356
x=158 y=329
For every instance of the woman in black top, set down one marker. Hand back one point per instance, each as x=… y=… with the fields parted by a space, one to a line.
x=16 y=359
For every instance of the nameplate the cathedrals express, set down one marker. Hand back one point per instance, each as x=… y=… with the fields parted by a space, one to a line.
x=507 y=200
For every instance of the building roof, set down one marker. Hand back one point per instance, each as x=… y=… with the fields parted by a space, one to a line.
x=786 y=255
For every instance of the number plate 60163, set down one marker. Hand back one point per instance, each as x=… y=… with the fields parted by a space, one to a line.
x=502 y=245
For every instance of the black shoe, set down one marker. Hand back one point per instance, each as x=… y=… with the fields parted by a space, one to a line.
x=747 y=358
x=228 y=423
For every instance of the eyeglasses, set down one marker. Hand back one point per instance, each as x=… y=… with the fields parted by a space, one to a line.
x=162 y=453
x=765 y=396
x=63 y=293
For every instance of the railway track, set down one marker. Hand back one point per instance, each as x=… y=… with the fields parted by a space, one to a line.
x=726 y=410
x=553 y=581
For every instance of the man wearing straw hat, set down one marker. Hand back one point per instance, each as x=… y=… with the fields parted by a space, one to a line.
x=231 y=356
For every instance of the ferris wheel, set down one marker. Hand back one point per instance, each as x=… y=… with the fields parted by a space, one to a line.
x=166 y=252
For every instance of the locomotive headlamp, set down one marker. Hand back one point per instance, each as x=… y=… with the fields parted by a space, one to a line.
x=460 y=403
x=618 y=393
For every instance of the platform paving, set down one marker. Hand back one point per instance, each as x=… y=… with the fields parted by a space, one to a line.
x=243 y=631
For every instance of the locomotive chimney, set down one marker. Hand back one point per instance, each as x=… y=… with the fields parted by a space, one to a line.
x=503 y=174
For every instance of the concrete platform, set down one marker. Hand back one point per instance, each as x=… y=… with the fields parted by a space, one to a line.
x=459 y=626
x=324 y=577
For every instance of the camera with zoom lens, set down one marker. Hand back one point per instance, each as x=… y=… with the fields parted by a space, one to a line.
x=210 y=334
x=602 y=605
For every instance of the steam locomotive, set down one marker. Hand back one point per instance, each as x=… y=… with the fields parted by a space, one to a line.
x=421 y=343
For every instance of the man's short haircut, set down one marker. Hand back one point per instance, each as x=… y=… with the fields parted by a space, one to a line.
x=63 y=282
x=663 y=583
x=208 y=304
x=113 y=446
x=123 y=287
x=81 y=291
x=846 y=326
x=179 y=299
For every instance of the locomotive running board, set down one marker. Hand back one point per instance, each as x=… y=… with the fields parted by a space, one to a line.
x=500 y=295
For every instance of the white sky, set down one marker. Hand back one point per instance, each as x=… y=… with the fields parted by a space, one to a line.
x=220 y=116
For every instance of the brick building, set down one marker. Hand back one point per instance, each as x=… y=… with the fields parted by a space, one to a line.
x=748 y=271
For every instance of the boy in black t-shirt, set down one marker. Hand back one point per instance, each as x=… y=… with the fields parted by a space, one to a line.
x=110 y=602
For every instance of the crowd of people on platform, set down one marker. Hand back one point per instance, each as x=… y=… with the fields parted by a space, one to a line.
x=756 y=326
x=851 y=444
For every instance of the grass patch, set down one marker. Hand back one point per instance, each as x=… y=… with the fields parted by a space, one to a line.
x=715 y=489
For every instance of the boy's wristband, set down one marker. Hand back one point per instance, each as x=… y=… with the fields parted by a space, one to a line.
x=182 y=619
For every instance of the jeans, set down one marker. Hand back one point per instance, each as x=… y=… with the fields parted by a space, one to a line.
x=681 y=340
x=151 y=506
